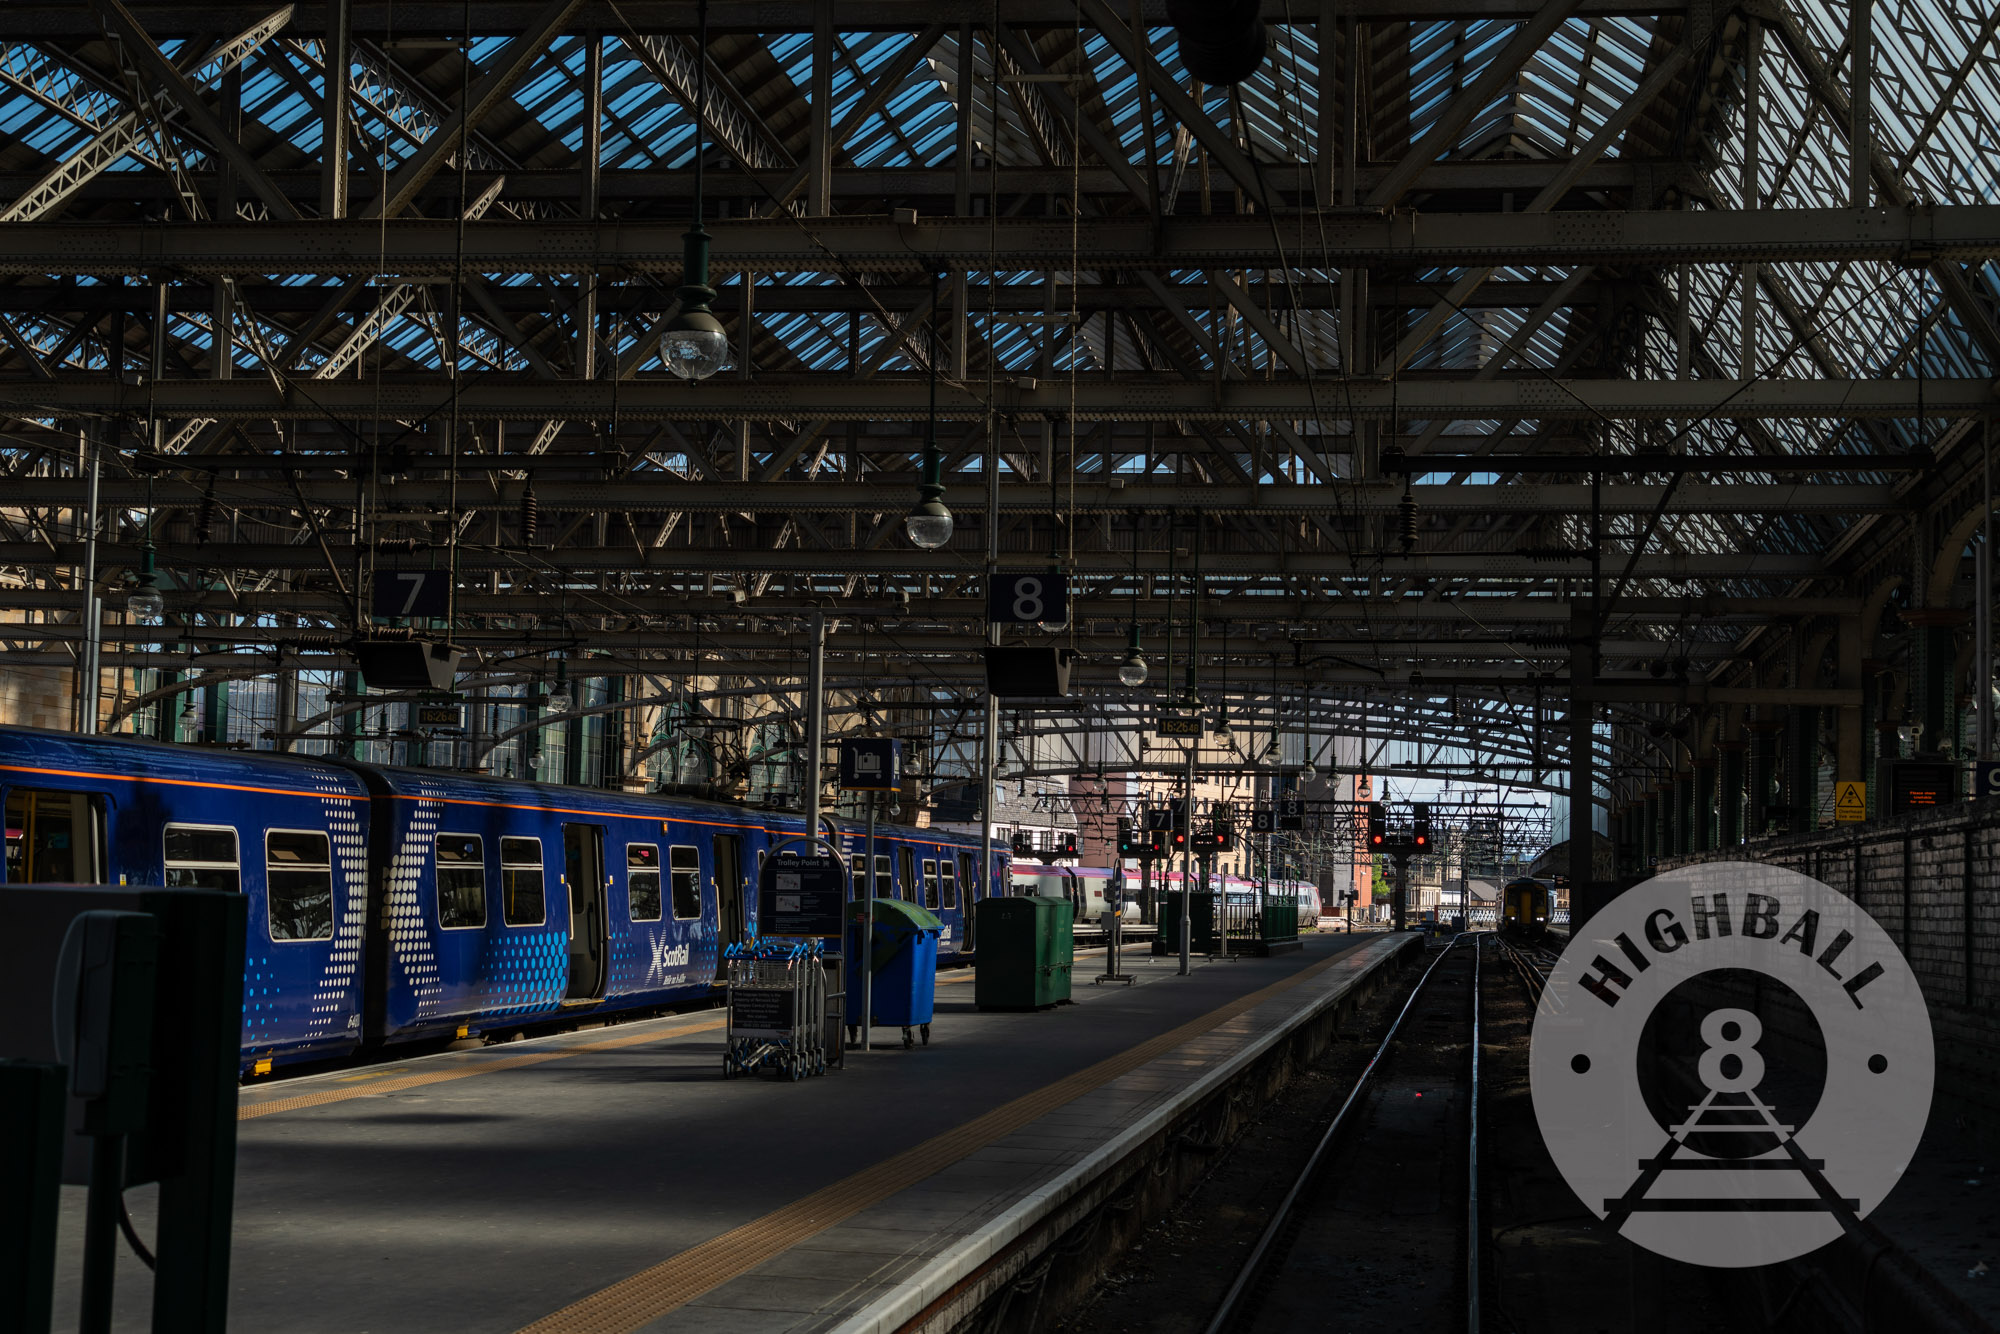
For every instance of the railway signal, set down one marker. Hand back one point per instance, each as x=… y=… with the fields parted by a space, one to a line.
x=1420 y=824
x=1378 y=825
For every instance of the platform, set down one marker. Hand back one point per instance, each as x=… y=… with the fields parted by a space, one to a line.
x=612 y=1180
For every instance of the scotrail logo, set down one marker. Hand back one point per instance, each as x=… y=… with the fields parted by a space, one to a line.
x=668 y=956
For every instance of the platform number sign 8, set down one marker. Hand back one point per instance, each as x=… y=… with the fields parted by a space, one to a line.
x=1028 y=599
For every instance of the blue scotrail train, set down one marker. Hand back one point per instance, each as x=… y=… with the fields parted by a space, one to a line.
x=391 y=905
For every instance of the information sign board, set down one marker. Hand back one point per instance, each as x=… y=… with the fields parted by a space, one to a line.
x=871 y=764
x=1040 y=598
x=441 y=717
x=802 y=896
x=756 y=1013
x=411 y=593
x=1916 y=785
x=1291 y=813
x=1263 y=820
x=1985 y=778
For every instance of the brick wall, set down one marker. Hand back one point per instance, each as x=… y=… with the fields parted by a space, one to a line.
x=1932 y=881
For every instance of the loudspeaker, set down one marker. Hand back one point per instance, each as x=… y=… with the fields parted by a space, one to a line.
x=1028 y=673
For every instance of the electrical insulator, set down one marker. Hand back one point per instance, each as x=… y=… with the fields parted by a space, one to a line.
x=531 y=516
x=1406 y=521
x=204 y=520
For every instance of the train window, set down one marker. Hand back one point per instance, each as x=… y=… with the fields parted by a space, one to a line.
x=930 y=883
x=885 y=881
x=685 y=863
x=461 y=881
x=949 y=879
x=199 y=858
x=906 y=874
x=642 y=881
x=298 y=885
x=54 y=838
x=521 y=883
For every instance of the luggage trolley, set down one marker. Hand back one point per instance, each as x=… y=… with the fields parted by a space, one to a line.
x=777 y=1007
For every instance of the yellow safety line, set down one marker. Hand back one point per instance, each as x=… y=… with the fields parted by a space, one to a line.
x=250 y=1111
x=652 y=1293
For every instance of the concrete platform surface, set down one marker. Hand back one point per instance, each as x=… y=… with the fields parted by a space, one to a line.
x=613 y=1180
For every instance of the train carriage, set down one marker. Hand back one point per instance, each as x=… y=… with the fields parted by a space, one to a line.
x=289 y=834
x=506 y=902
x=1524 y=908
x=391 y=904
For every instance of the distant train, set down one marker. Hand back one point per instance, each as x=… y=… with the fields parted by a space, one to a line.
x=1092 y=889
x=388 y=905
x=1524 y=908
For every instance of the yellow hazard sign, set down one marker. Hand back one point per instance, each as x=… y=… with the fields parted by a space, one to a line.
x=1850 y=802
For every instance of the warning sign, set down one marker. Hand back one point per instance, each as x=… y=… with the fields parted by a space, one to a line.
x=1850 y=803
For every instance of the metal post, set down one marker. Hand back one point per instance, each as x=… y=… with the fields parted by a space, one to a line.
x=1187 y=870
x=866 y=950
x=100 y=1232
x=1402 y=860
x=338 y=61
x=1860 y=133
x=1983 y=687
x=815 y=719
x=93 y=612
x=287 y=706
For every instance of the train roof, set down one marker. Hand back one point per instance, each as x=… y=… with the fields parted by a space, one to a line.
x=32 y=749
x=28 y=750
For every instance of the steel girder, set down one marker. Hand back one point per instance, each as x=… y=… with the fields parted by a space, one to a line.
x=406 y=248
x=1125 y=397
x=653 y=491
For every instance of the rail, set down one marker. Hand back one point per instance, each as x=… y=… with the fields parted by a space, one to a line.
x=1235 y=1304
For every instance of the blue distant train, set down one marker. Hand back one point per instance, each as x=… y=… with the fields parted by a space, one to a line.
x=389 y=905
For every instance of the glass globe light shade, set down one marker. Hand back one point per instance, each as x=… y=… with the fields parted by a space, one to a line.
x=535 y=760
x=695 y=346
x=145 y=605
x=188 y=714
x=929 y=525
x=560 y=702
x=1309 y=771
x=1132 y=671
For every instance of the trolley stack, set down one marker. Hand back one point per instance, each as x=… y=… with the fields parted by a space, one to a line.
x=777 y=1009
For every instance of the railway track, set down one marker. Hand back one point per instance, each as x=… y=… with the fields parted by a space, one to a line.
x=1399 y=1160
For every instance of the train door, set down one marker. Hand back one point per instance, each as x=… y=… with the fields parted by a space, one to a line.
x=583 y=872
x=54 y=837
x=906 y=874
x=729 y=892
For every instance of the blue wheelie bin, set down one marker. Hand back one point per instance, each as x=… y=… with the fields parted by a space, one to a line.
x=903 y=959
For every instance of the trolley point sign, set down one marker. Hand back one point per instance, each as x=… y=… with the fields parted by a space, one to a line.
x=1729 y=1060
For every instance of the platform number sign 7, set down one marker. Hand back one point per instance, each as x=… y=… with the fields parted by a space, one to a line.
x=1028 y=599
x=411 y=593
